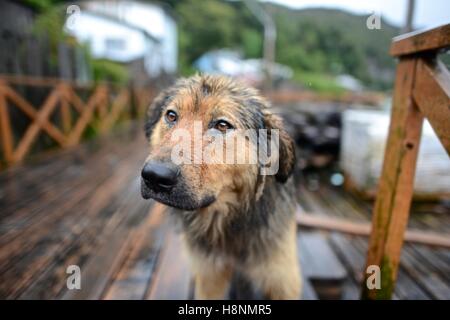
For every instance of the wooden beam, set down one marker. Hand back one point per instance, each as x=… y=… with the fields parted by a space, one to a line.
x=119 y=104
x=419 y=41
x=33 y=114
x=5 y=127
x=71 y=97
x=315 y=221
x=22 y=80
x=393 y=201
x=33 y=130
x=432 y=96
x=172 y=278
x=86 y=115
x=66 y=116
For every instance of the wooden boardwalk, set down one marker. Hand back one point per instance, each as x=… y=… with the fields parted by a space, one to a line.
x=82 y=206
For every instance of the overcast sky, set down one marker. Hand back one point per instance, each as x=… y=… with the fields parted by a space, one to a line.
x=428 y=13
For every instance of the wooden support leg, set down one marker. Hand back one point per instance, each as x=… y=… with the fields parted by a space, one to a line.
x=393 y=201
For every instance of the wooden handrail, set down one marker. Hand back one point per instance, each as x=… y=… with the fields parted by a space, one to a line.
x=421 y=41
x=76 y=114
x=24 y=80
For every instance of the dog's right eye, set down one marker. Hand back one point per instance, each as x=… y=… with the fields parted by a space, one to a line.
x=171 y=116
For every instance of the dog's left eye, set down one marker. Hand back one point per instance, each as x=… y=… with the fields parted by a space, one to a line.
x=171 y=116
x=223 y=126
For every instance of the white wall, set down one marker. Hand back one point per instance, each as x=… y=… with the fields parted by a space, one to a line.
x=98 y=31
x=151 y=18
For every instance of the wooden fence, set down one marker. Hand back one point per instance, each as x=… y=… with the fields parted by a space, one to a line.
x=422 y=90
x=77 y=108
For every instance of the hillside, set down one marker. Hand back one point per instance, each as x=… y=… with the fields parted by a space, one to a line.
x=334 y=41
x=316 y=43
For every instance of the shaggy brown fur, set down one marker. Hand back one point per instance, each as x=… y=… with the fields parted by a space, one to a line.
x=232 y=218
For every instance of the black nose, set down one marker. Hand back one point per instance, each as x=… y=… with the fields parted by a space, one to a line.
x=160 y=176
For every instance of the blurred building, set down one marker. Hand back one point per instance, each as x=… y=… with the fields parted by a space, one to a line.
x=231 y=63
x=130 y=32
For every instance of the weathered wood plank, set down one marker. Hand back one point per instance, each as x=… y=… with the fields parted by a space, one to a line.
x=98 y=272
x=26 y=258
x=407 y=287
x=432 y=96
x=391 y=211
x=308 y=292
x=320 y=265
x=364 y=229
x=420 y=41
x=68 y=228
x=419 y=271
x=132 y=280
x=172 y=279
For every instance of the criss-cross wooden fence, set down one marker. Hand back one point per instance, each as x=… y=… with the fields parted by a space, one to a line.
x=422 y=90
x=77 y=108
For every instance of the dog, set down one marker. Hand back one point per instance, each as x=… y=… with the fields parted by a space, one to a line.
x=232 y=218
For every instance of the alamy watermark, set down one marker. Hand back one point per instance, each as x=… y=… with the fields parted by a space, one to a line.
x=233 y=147
x=73 y=281
x=373 y=280
x=373 y=22
x=73 y=12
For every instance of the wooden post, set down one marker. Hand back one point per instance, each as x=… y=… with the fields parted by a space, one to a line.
x=422 y=88
x=5 y=127
x=391 y=211
x=65 y=109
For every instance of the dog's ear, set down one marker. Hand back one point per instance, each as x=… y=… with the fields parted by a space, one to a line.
x=286 y=154
x=155 y=109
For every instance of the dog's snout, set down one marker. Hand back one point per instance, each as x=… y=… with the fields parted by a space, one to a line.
x=160 y=176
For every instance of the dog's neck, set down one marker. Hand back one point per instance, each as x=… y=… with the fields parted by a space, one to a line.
x=236 y=221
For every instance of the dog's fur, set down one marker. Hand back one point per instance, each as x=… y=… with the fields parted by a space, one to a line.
x=232 y=218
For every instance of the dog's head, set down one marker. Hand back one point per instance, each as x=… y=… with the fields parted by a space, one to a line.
x=204 y=133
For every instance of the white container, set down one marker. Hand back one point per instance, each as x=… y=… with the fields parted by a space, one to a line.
x=364 y=135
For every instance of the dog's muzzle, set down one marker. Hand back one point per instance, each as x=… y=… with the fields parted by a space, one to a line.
x=159 y=176
x=163 y=182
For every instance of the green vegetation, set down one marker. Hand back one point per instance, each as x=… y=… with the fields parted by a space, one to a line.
x=106 y=70
x=41 y=5
x=316 y=43
x=318 y=82
x=50 y=22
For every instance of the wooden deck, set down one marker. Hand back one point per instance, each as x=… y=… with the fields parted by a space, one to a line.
x=82 y=206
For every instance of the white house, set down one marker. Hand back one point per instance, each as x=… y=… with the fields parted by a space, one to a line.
x=124 y=31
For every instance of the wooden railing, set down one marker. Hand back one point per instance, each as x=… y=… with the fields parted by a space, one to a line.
x=103 y=105
x=422 y=90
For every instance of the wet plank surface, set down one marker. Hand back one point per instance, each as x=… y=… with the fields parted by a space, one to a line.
x=83 y=207
x=424 y=271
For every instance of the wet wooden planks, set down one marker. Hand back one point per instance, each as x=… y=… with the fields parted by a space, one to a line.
x=40 y=240
x=320 y=266
x=83 y=207
x=424 y=271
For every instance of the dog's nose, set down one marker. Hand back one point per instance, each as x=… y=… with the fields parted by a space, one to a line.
x=160 y=176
